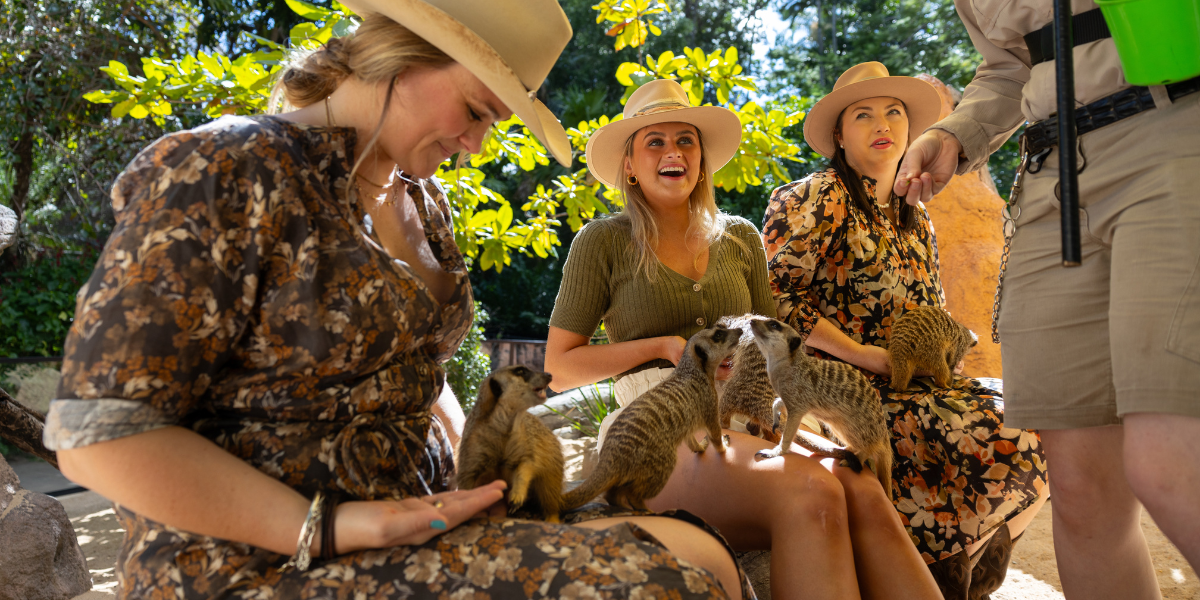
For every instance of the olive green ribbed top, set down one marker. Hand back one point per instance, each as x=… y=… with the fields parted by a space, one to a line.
x=601 y=282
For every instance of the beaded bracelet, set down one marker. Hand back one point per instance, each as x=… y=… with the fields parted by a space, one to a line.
x=308 y=531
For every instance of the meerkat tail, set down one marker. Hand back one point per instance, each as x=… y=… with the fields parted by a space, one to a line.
x=602 y=479
x=902 y=371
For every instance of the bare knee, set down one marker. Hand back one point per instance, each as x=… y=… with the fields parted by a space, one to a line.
x=810 y=494
x=868 y=505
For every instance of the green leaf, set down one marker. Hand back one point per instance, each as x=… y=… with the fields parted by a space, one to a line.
x=308 y=11
x=101 y=96
x=625 y=71
x=122 y=109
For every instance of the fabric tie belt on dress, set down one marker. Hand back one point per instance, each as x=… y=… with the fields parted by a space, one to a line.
x=370 y=442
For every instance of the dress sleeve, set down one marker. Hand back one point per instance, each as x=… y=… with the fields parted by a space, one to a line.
x=584 y=295
x=802 y=229
x=171 y=293
x=757 y=281
x=990 y=110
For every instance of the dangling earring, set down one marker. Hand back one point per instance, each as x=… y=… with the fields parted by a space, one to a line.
x=701 y=177
x=631 y=180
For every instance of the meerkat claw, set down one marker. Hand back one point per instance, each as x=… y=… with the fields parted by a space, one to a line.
x=765 y=454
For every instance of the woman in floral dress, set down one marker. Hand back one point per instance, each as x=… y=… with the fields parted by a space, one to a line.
x=845 y=263
x=266 y=326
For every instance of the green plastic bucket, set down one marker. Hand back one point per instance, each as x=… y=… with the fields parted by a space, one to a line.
x=1158 y=40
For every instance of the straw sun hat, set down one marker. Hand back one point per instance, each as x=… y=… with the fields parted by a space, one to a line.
x=510 y=45
x=870 y=80
x=662 y=101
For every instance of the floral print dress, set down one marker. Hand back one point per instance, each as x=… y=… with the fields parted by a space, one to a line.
x=244 y=295
x=959 y=473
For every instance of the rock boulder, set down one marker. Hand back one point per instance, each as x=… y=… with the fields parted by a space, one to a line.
x=40 y=557
x=8 y=227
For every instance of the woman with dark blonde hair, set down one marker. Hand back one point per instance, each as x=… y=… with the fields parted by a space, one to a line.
x=253 y=375
x=848 y=258
x=668 y=266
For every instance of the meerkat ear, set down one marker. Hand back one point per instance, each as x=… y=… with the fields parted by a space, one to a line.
x=489 y=395
x=794 y=343
x=701 y=357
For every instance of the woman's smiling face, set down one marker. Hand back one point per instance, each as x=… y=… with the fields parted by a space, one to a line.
x=666 y=162
x=874 y=134
x=435 y=113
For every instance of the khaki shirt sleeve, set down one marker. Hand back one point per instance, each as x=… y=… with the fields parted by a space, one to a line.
x=990 y=110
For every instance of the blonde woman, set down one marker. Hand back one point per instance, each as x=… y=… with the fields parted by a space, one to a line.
x=253 y=374
x=666 y=267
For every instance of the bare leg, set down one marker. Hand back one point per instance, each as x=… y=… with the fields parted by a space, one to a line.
x=889 y=565
x=687 y=542
x=1098 y=539
x=791 y=505
x=1162 y=464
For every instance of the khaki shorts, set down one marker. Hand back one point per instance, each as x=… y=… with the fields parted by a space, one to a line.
x=1084 y=346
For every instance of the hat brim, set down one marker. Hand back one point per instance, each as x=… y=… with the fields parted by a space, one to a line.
x=720 y=130
x=921 y=100
x=471 y=51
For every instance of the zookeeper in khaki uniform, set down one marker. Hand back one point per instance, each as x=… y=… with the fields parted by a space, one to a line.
x=1103 y=358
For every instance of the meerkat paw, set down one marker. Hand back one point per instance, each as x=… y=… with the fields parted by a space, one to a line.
x=553 y=518
x=851 y=461
x=516 y=500
x=775 y=452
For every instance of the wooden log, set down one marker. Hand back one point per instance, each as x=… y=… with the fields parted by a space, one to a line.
x=22 y=427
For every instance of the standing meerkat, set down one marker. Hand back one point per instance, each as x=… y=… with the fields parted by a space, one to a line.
x=501 y=440
x=638 y=455
x=748 y=390
x=926 y=337
x=836 y=393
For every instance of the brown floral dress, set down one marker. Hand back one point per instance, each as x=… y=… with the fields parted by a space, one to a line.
x=244 y=295
x=959 y=472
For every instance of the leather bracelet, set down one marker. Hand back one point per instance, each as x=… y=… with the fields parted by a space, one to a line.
x=328 y=541
x=303 y=556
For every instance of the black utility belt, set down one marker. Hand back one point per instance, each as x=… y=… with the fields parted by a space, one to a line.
x=1042 y=136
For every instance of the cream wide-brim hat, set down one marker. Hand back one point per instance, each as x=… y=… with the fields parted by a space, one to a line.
x=662 y=101
x=510 y=45
x=870 y=80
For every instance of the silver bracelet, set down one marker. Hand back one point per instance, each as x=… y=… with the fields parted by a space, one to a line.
x=312 y=522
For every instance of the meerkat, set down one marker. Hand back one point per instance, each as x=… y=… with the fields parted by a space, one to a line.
x=836 y=393
x=926 y=337
x=501 y=440
x=638 y=455
x=748 y=390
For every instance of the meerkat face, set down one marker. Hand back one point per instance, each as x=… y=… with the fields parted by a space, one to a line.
x=775 y=339
x=518 y=383
x=713 y=345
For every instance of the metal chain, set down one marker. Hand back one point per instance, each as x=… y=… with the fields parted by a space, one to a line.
x=1011 y=213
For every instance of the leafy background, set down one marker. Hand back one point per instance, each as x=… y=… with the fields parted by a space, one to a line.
x=85 y=85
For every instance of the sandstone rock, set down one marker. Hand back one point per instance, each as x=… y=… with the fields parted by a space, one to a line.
x=966 y=216
x=37 y=386
x=8 y=227
x=40 y=557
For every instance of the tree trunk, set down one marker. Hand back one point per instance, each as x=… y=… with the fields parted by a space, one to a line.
x=22 y=427
x=23 y=151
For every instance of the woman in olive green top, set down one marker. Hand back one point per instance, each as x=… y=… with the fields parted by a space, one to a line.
x=665 y=268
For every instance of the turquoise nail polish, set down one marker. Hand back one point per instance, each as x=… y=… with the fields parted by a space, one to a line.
x=438 y=524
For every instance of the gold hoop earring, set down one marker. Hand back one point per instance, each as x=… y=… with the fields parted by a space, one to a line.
x=701 y=177
x=631 y=180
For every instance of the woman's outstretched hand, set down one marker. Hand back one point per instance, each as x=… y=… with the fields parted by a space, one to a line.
x=927 y=166
x=874 y=359
x=672 y=348
x=387 y=523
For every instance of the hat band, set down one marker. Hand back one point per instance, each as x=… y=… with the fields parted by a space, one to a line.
x=658 y=107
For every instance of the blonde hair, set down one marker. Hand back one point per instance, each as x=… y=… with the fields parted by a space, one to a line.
x=379 y=50
x=704 y=220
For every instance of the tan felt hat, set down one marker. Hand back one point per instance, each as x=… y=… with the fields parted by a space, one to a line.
x=662 y=101
x=870 y=80
x=510 y=45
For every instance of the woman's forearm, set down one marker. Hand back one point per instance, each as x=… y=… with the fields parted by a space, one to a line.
x=826 y=336
x=573 y=362
x=177 y=477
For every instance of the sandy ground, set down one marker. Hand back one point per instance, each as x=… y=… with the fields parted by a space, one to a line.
x=1033 y=575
